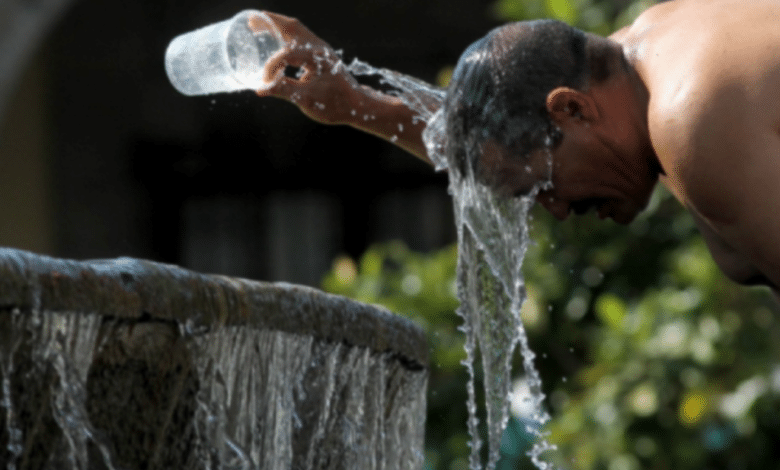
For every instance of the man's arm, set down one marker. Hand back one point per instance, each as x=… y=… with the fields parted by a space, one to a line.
x=327 y=93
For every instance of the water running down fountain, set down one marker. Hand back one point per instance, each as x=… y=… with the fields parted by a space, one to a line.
x=132 y=364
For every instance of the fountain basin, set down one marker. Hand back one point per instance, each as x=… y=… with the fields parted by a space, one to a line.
x=125 y=364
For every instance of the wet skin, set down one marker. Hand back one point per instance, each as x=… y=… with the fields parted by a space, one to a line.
x=334 y=97
x=698 y=108
x=575 y=177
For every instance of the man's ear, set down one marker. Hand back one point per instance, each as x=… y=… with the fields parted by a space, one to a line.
x=564 y=103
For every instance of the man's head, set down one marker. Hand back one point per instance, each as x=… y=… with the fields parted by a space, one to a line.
x=527 y=89
x=500 y=85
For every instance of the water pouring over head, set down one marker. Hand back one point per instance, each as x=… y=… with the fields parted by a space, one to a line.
x=542 y=105
x=524 y=119
x=498 y=89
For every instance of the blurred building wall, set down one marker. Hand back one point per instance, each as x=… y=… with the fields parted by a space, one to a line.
x=25 y=178
x=100 y=157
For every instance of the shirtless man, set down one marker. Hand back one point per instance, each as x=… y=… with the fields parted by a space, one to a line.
x=688 y=94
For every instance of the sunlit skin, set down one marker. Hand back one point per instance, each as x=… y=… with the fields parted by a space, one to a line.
x=602 y=162
x=337 y=94
x=698 y=107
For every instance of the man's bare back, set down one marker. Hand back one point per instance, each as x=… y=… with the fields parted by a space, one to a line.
x=712 y=71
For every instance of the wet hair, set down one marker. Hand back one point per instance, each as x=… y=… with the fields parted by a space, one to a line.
x=499 y=88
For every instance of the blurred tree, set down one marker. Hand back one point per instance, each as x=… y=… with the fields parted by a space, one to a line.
x=655 y=360
x=651 y=359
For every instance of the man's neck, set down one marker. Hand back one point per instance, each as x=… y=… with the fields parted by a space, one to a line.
x=623 y=100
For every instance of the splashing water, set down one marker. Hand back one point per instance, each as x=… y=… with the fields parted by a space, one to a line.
x=420 y=97
x=492 y=241
x=218 y=373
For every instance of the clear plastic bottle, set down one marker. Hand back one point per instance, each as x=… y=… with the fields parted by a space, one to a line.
x=225 y=56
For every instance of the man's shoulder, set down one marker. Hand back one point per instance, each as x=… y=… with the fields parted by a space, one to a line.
x=681 y=114
x=702 y=66
x=702 y=135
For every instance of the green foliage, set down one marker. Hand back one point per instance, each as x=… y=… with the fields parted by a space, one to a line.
x=596 y=16
x=656 y=360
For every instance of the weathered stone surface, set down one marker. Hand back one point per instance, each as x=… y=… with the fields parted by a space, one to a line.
x=138 y=365
x=131 y=288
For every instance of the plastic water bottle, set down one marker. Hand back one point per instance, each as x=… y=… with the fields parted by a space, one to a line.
x=225 y=56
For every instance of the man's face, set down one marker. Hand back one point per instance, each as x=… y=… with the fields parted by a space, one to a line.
x=583 y=176
x=512 y=176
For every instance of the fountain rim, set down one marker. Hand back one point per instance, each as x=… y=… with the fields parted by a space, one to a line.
x=133 y=289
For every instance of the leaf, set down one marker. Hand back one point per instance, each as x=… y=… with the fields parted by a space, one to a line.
x=693 y=408
x=562 y=10
x=508 y=10
x=611 y=310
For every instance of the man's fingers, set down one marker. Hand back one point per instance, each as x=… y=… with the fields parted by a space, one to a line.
x=300 y=55
x=284 y=87
x=310 y=60
x=279 y=18
x=275 y=66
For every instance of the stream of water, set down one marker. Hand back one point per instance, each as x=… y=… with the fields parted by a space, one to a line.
x=492 y=241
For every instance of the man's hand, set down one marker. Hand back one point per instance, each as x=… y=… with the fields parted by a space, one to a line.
x=326 y=92
x=322 y=89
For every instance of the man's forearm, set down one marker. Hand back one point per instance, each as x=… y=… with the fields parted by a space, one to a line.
x=389 y=118
x=325 y=89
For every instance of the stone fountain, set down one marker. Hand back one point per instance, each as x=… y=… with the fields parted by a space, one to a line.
x=130 y=364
